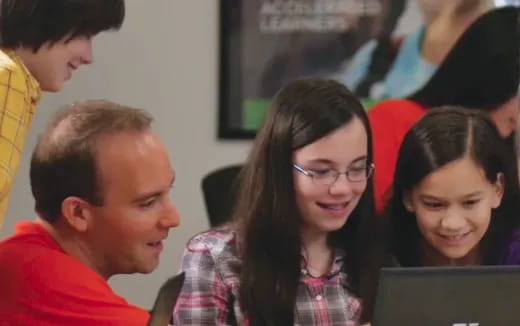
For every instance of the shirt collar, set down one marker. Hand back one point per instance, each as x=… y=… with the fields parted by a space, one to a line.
x=34 y=85
x=337 y=264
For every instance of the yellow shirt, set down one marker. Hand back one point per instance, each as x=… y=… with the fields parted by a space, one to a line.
x=19 y=95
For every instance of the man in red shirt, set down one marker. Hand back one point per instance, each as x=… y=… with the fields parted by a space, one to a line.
x=101 y=180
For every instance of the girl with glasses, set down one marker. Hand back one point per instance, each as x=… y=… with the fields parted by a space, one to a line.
x=293 y=255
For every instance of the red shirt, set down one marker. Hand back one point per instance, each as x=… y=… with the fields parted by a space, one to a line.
x=390 y=120
x=41 y=285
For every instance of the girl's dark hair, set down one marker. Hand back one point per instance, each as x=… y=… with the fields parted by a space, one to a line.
x=268 y=219
x=442 y=136
x=482 y=70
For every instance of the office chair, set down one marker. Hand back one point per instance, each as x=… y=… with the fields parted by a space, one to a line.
x=219 y=188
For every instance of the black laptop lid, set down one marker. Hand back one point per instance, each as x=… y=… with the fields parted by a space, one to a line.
x=448 y=296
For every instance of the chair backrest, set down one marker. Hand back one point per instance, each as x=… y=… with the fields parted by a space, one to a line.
x=219 y=188
x=165 y=301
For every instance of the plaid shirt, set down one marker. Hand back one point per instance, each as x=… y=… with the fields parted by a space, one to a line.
x=210 y=292
x=19 y=94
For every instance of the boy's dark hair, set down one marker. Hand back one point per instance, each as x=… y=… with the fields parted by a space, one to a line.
x=31 y=23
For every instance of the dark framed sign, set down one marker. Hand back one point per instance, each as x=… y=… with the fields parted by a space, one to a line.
x=369 y=45
x=265 y=43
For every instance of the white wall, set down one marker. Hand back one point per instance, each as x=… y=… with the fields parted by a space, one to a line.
x=164 y=59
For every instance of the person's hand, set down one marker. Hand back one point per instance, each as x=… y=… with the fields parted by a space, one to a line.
x=367 y=324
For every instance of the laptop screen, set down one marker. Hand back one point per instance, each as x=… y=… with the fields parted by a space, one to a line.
x=448 y=296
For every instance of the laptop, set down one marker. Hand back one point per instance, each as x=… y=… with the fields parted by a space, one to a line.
x=165 y=301
x=448 y=296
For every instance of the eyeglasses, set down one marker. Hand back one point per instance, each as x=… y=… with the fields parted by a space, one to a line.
x=330 y=176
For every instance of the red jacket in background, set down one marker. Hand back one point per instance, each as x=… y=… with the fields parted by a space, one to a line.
x=390 y=120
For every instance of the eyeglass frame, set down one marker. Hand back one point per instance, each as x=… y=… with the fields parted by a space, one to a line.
x=369 y=170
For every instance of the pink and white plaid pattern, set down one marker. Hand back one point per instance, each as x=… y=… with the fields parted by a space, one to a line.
x=210 y=292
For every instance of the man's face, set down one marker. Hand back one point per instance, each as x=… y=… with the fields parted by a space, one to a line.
x=53 y=64
x=135 y=177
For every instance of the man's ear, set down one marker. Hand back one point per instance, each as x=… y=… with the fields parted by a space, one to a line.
x=499 y=187
x=407 y=202
x=77 y=213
